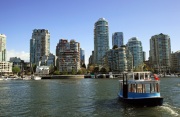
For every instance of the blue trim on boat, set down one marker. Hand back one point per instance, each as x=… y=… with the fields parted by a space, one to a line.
x=141 y=95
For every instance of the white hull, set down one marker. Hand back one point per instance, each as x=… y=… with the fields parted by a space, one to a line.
x=36 y=78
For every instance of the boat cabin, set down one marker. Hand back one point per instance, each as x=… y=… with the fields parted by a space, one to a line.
x=139 y=84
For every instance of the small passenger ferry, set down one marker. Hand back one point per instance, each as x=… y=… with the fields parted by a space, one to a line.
x=137 y=88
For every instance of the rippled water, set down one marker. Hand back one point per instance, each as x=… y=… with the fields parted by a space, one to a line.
x=80 y=98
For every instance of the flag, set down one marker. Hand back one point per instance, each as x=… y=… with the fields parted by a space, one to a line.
x=156 y=77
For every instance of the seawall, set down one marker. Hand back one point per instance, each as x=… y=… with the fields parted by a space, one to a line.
x=63 y=77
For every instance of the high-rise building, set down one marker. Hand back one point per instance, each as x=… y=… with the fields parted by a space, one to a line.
x=101 y=40
x=160 y=52
x=117 y=39
x=2 y=47
x=175 y=62
x=39 y=45
x=135 y=47
x=119 y=59
x=144 y=56
x=68 y=54
x=82 y=56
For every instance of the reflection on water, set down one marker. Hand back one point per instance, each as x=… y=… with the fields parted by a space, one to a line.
x=80 y=98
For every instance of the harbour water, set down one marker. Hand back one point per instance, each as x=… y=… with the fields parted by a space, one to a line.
x=80 y=98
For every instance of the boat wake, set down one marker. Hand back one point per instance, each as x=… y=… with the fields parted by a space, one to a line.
x=171 y=110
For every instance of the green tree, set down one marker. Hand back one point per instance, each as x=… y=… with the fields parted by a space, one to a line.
x=84 y=66
x=73 y=72
x=79 y=71
x=114 y=47
x=16 y=70
x=34 y=68
x=103 y=70
x=96 y=69
x=56 y=72
x=51 y=69
x=64 y=72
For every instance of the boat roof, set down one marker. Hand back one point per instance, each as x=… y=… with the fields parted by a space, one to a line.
x=139 y=78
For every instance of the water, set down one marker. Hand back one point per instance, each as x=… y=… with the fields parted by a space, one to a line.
x=80 y=98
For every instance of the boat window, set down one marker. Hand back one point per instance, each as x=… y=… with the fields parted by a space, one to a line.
x=132 y=87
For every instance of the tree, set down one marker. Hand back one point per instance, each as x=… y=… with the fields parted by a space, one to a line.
x=91 y=68
x=16 y=70
x=64 y=72
x=73 y=72
x=84 y=66
x=51 y=69
x=79 y=71
x=56 y=72
x=34 y=68
x=114 y=47
x=96 y=69
x=103 y=70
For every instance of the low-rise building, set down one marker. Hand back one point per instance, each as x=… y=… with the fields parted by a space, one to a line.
x=5 y=68
x=42 y=70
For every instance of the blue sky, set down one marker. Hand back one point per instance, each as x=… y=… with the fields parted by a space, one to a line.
x=74 y=19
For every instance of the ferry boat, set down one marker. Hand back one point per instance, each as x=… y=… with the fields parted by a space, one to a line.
x=138 y=89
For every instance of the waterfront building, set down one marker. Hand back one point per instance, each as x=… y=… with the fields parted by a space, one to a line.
x=39 y=45
x=119 y=59
x=68 y=54
x=135 y=47
x=5 y=67
x=2 y=47
x=175 y=62
x=82 y=56
x=48 y=60
x=42 y=70
x=101 y=40
x=160 y=52
x=17 y=62
x=117 y=39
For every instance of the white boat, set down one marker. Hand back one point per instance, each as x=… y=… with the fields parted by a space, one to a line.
x=36 y=77
x=139 y=89
x=27 y=78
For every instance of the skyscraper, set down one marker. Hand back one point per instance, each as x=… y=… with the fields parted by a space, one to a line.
x=101 y=40
x=117 y=39
x=135 y=47
x=39 y=45
x=160 y=52
x=2 y=47
x=82 y=56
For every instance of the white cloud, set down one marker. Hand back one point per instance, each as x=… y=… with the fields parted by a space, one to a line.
x=22 y=55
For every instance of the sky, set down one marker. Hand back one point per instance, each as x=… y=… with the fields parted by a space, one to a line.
x=74 y=19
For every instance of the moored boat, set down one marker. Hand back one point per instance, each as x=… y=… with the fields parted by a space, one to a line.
x=36 y=77
x=138 y=89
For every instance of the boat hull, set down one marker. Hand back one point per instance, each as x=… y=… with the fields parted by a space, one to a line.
x=152 y=101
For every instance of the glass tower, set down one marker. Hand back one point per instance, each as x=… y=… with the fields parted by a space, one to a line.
x=135 y=47
x=101 y=40
x=117 y=39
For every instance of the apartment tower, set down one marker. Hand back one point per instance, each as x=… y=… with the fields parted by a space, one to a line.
x=160 y=52
x=39 y=45
x=101 y=40
x=2 y=47
x=135 y=47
